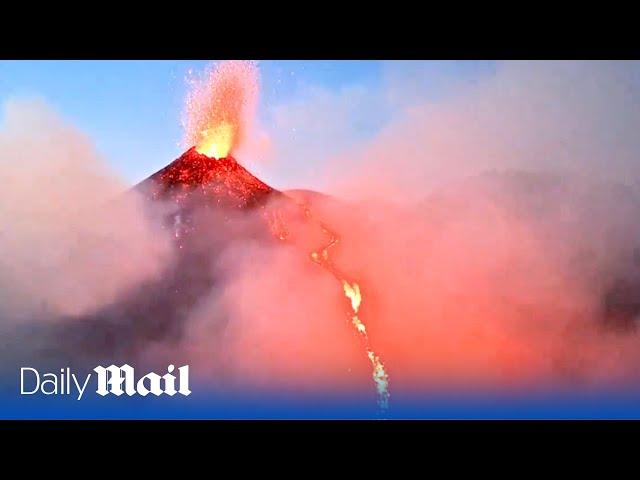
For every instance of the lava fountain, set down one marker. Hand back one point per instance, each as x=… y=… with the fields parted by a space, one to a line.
x=219 y=108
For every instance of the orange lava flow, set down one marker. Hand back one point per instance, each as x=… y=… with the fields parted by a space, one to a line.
x=352 y=292
x=218 y=107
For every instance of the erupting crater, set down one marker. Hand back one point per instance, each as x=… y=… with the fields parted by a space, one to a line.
x=196 y=180
x=222 y=181
x=206 y=177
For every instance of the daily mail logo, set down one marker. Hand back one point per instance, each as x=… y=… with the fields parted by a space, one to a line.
x=110 y=380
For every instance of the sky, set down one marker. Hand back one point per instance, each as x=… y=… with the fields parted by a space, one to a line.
x=131 y=110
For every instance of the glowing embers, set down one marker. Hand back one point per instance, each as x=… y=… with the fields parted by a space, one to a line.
x=276 y=223
x=218 y=180
x=218 y=107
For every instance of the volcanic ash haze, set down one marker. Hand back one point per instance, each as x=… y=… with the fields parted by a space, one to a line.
x=493 y=237
x=70 y=241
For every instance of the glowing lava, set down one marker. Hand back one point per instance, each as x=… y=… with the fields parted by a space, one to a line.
x=195 y=177
x=218 y=108
x=353 y=293
x=216 y=141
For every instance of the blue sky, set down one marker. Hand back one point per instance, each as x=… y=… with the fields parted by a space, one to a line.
x=131 y=109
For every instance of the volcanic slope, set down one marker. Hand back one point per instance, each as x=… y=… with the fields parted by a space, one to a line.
x=206 y=203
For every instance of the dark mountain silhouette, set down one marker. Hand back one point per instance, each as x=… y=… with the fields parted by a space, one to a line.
x=206 y=203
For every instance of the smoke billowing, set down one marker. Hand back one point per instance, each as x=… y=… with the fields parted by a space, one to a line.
x=494 y=233
x=72 y=241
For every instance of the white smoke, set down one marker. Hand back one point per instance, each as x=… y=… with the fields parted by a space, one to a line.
x=71 y=240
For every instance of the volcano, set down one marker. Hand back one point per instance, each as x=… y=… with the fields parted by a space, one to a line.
x=195 y=178
x=207 y=204
x=196 y=186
